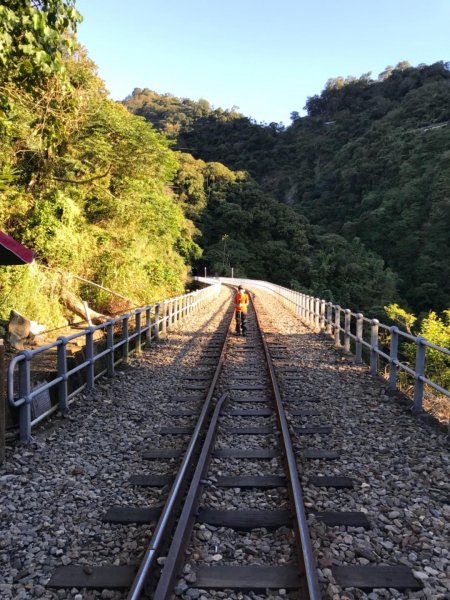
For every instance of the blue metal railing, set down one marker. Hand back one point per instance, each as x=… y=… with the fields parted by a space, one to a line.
x=347 y=326
x=149 y=322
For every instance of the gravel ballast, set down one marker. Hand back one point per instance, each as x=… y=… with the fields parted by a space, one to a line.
x=56 y=490
x=399 y=463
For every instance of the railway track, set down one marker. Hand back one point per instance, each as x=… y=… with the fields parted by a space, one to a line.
x=234 y=518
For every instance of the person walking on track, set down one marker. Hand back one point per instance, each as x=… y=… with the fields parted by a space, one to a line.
x=241 y=301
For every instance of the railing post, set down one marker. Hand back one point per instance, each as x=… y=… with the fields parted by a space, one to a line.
x=393 y=357
x=359 y=338
x=188 y=305
x=329 y=318
x=167 y=315
x=311 y=310
x=374 y=347
x=297 y=303
x=90 y=358
x=125 y=339
x=303 y=306
x=148 y=326
x=347 y=325
x=420 y=372
x=337 y=326
x=175 y=311
x=138 y=331
x=62 y=372
x=156 y=324
x=316 y=312
x=110 y=346
x=322 y=315
x=170 y=316
x=24 y=392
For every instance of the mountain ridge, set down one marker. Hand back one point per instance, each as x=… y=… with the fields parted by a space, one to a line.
x=369 y=162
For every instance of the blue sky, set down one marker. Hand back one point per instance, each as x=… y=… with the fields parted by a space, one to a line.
x=263 y=56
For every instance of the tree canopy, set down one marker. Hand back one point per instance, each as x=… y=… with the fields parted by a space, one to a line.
x=86 y=185
x=350 y=202
x=368 y=167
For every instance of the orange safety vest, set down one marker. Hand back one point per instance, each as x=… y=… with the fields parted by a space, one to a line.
x=241 y=301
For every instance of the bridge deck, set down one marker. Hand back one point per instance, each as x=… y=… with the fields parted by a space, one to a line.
x=56 y=491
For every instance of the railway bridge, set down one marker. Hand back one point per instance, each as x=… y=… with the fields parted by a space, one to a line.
x=193 y=463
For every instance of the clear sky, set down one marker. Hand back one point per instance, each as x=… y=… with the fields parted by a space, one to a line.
x=263 y=56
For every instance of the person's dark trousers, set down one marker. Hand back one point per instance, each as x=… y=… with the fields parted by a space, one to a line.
x=241 y=323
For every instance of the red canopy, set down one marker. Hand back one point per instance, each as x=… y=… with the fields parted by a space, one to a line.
x=13 y=253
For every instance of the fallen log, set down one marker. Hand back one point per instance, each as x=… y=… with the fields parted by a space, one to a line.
x=74 y=304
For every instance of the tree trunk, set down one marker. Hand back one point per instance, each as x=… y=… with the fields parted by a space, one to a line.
x=77 y=306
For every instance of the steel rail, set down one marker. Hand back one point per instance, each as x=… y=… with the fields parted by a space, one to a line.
x=177 y=490
x=181 y=538
x=307 y=561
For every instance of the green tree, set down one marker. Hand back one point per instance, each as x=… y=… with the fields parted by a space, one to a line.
x=434 y=328
x=34 y=39
x=87 y=185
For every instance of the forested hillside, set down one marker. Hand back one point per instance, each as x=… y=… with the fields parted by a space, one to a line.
x=248 y=229
x=83 y=182
x=349 y=203
x=368 y=168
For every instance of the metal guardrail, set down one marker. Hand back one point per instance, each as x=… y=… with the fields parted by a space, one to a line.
x=347 y=326
x=149 y=322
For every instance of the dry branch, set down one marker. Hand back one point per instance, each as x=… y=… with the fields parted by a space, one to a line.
x=74 y=304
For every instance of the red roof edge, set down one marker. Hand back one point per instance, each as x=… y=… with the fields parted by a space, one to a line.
x=12 y=252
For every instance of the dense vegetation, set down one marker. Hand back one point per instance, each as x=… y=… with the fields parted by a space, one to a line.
x=84 y=183
x=368 y=167
x=246 y=228
x=350 y=202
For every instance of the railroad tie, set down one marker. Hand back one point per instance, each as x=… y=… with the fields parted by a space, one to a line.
x=245 y=519
x=264 y=412
x=251 y=481
x=254 y=577
x=248 y=430
x=302 y=399
x=334 y=481
x=162 y=453
x=346 y=519
x=258 y=453
x=319 y=453
x=151 y=480
x=312 y=429
x=370 y=577
x=305 y=412
x=85 y=576
x=130 y=514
